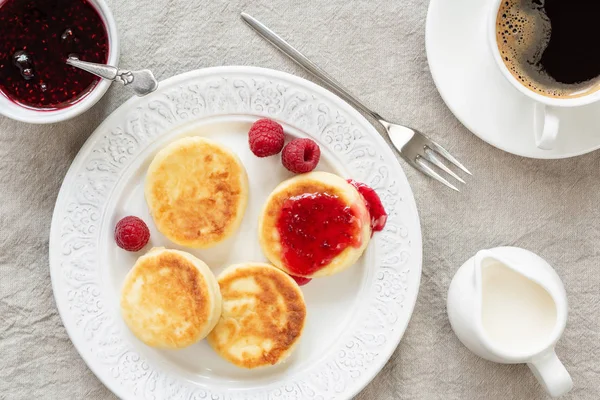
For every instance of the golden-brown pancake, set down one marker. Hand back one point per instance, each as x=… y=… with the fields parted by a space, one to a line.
x=311 y=185
x=262 y=318
x=170 y=299
x=197 y=191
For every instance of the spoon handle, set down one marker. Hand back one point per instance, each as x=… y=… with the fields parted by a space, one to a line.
x=142 y=82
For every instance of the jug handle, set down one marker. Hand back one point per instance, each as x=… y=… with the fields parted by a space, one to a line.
x=551 y=374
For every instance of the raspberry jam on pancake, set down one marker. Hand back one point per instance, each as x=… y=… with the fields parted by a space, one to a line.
x=373 y=202
x=300 y=280
x=314 y=229
x=314 y=225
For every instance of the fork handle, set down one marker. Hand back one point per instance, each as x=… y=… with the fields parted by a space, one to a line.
x=308 y=65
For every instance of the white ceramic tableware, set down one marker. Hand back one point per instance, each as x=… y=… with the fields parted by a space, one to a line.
x=36 y=116
x=355 y=319
x=475 y=90
x=509 y=306
x=546 y=120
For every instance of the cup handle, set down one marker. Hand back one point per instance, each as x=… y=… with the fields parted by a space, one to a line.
x=545 y=126
x=551 y=374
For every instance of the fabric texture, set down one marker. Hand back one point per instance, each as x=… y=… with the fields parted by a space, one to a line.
x=376 y=48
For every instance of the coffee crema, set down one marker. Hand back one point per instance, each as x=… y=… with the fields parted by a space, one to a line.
x=550 y=45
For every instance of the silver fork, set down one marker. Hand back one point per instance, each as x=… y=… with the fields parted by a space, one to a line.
x=417 y=149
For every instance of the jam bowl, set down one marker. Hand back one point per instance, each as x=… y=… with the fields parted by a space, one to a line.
x=36 y=85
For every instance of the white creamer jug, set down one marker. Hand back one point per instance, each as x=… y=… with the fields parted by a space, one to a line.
x=509 y=306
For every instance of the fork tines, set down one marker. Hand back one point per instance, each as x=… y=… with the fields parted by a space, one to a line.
x=433 y=155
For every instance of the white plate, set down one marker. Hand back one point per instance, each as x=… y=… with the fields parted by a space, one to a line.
x=355 y=319
x=482 y=99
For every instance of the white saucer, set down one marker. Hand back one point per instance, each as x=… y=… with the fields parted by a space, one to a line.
x=474 y=89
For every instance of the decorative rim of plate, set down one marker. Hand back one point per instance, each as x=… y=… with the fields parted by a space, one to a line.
x=378 y=327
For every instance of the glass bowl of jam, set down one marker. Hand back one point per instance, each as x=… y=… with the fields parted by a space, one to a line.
x=36 y=84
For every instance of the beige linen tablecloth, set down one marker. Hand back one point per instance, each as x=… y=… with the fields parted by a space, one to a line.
x=377 y=48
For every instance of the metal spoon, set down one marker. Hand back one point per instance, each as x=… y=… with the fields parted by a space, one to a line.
x=142 y=82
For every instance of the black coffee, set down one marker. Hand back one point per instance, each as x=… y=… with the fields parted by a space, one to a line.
x=551 y=45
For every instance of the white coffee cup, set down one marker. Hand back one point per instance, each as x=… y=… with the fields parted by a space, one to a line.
x=546 y=123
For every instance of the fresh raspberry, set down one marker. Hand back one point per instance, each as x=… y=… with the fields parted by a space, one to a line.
x=301 y=155
x=300 y=280
x=131 y=233
x=266 y=138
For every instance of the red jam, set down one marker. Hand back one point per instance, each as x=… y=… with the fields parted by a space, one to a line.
x=314 y=229
x=300 y=280
x=374 y=206
x=37 y=36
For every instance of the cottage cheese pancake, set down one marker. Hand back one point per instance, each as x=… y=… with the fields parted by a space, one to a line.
x=313 y=225
x=170 y=299
x=262 y=318
x=197 y=191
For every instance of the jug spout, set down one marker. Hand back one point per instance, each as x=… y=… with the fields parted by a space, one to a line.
x=485 y=258
x=529 y=265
